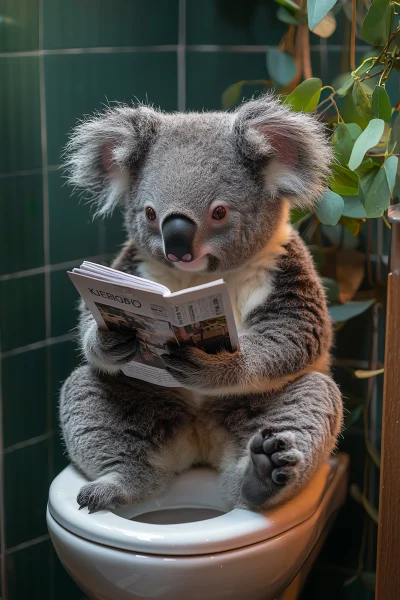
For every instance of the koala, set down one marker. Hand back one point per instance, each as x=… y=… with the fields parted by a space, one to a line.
x=207 y=196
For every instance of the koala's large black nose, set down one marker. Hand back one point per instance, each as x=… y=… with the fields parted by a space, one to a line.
x=178 y=234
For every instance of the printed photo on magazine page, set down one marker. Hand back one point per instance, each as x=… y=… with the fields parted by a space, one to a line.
x=210 y=335
x=154 y=334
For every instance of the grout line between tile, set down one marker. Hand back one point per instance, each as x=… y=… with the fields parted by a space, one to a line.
x=28 y=172
x=166 y=48
x=56 y=267
x=50 y=341
x=93 y=50
x=24 y=545
x=21 y=173
x=3 y=581
x=181 y=56
x=29 y=442
x=46 y=232
x=255 y=49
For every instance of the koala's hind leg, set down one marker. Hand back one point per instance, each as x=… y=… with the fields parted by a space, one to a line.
x=112 y=427
x=281 y=440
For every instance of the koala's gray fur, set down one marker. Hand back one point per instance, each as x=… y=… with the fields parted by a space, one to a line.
x=268 y=415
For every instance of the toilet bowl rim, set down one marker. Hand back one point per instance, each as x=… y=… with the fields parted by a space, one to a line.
x=233 y=530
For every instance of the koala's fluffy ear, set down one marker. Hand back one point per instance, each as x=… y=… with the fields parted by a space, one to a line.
x=290 y=147
x=103 y=150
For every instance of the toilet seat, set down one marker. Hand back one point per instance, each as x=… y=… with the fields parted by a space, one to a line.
x=197 y=488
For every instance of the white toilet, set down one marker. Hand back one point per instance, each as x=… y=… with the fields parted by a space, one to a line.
x=187 y=543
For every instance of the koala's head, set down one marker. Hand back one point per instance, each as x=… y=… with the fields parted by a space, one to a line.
x=201 y=192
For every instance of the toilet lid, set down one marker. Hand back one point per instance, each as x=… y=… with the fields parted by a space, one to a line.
x=196 y=488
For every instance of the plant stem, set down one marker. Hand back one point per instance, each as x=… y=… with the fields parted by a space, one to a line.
x=353 y=35
x=371 y=76
x=305 y=46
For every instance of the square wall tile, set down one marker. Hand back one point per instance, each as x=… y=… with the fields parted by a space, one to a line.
x=24 y=396
x=21 y=223
x=20 y=114
x=20 y=25
x=73 y=234
x=64 y=358
x=210 y=73
x=29 y=574
x=60 y=455
x=82 y=24
x=26 y=473
x=114 y=233
x=22 y=315
x=64 y=302
x=233 y=22
x=80 y=84
x=64 y=587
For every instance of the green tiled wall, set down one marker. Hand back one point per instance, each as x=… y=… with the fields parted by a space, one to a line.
x=59 y=60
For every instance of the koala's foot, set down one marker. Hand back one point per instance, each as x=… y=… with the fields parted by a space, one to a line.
x=101 y=494
x=274 y=463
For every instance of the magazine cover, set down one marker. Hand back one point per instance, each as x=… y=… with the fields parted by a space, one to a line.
x=195 y=317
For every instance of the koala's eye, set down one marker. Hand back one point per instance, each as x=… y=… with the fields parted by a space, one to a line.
x=150 y=213
x=219 y=213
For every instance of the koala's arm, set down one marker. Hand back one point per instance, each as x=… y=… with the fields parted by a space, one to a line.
x=288 y=334
x=108 y=351
x=291 y=331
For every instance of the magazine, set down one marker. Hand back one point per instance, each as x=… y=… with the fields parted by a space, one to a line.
x=200 y=316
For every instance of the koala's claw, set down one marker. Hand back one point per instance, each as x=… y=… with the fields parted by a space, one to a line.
x=100 y=495
x=273 y=465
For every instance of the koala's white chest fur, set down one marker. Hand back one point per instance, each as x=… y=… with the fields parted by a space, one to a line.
x=247 y=287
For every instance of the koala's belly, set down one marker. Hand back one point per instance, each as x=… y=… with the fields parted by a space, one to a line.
x=200 y=442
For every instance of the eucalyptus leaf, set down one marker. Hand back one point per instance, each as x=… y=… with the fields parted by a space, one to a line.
x=367 y=373
x=381 y=105
x=344 y=181
x=378 y=24
x=305 y=97
x=288 y=4
x=285 y=16
x=232 y=94
x=343 y=140
x=343 y=84
x=377 y=187
x=353 y=207
x=317 y=9
x=281 y=66
x=362 y=97
x=297 y=215
x=332 y=290
x=352 y=227
x=344 y=312
x=356 y=414
x=367 y=140
x=329 y=208
x=326 y=27
x=350 y=114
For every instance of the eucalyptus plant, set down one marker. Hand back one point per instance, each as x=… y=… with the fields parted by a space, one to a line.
x=361 y=120
x=366 y=161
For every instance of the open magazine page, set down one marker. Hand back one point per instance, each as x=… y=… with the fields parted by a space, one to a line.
x=118 y=307
x=203 y=317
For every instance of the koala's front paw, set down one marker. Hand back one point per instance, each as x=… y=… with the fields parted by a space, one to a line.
x=101 y=495
x=196 y=369
x=110 y=350
x=274 y=465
